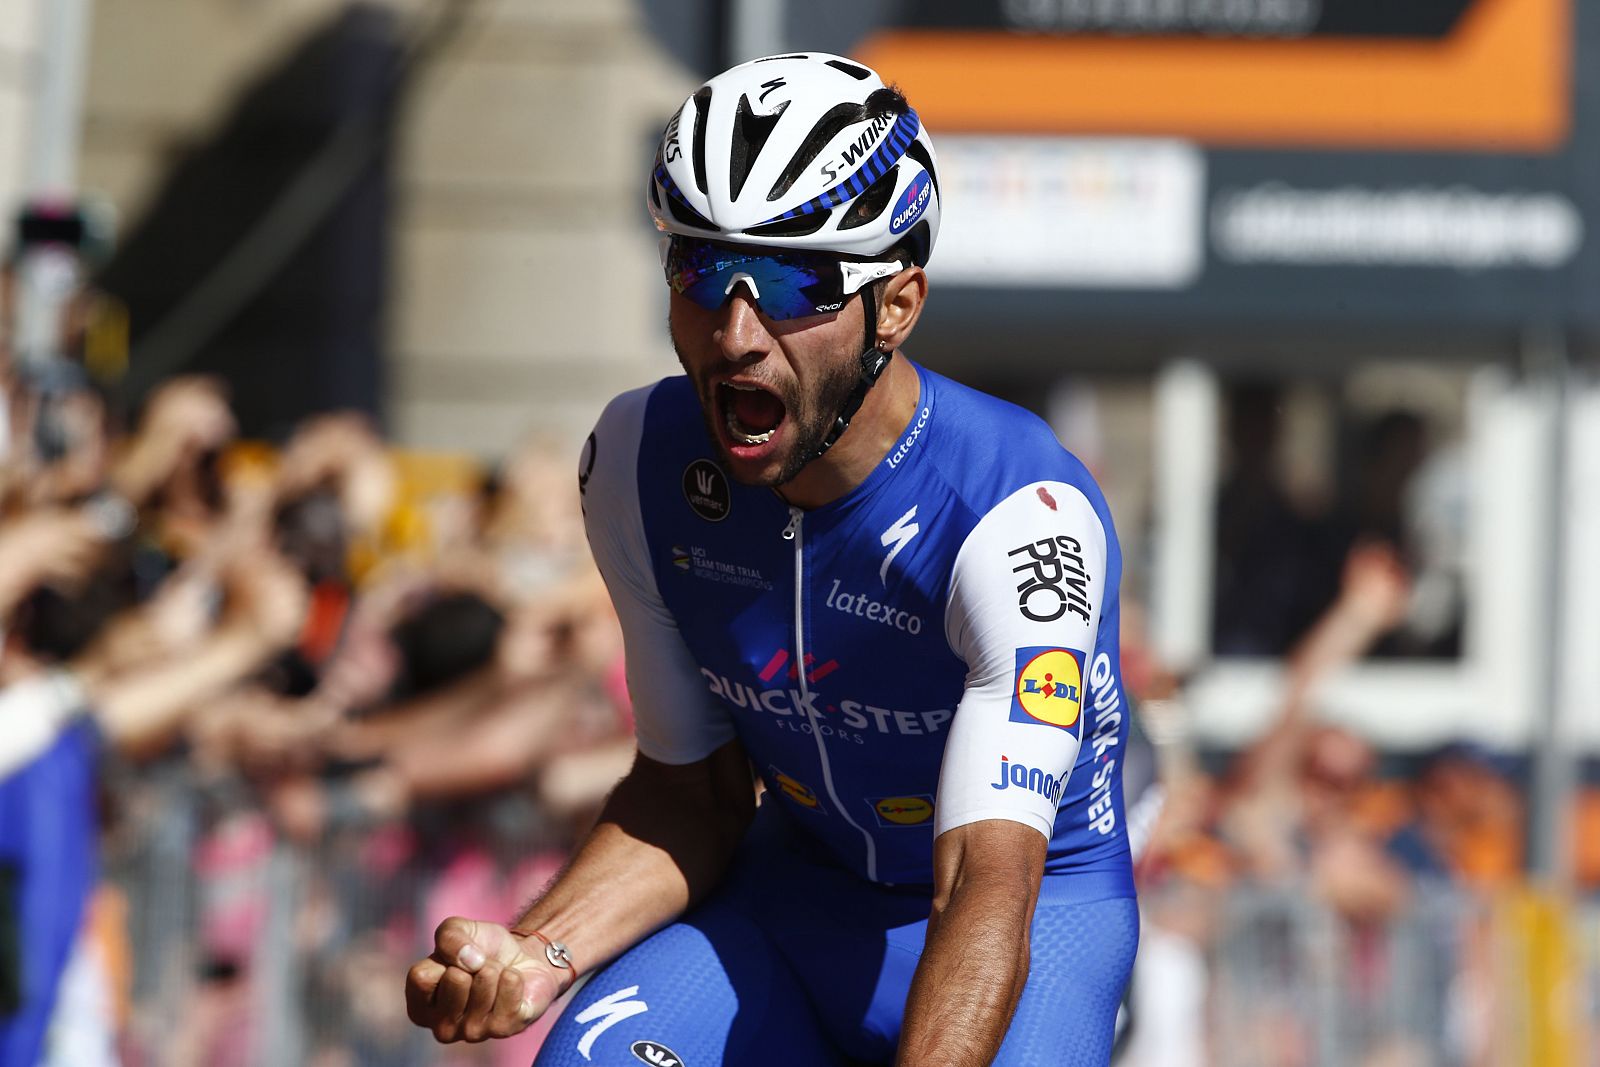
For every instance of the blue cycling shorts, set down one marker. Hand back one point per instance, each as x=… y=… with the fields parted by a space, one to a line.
x=795 y=961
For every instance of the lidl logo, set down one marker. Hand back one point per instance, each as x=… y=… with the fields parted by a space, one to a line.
x=903 y=811
x=1049 y=686
x=795 y=790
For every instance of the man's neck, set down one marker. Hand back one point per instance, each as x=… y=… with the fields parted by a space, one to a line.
x=887 y=408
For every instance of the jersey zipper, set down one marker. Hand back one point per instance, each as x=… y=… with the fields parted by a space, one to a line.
x=792 y=532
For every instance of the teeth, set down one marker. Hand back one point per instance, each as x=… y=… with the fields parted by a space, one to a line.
x=735 y=427
x=738 y=434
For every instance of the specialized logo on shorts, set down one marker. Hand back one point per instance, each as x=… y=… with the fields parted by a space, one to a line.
x=795 y=790
x=605 y=1013
x=902 y=811
x=705 y=487
x=1048 y=687
x=655 y=1054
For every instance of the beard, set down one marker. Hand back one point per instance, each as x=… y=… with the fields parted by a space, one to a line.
x=810 y=418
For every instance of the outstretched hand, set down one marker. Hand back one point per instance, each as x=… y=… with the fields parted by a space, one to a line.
x=478 y=983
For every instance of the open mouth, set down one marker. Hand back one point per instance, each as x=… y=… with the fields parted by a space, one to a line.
x=750 y=413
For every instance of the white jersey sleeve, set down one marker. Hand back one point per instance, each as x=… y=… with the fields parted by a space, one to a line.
x=1024 y=609
x=676 y=719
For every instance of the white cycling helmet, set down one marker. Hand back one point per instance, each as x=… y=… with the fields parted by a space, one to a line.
x=807 y=150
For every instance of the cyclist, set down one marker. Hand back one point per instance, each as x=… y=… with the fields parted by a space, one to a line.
x=891 y=599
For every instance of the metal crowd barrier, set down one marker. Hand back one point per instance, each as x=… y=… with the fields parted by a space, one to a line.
x=248 y=950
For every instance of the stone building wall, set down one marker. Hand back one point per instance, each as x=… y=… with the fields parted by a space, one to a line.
x=526 y=289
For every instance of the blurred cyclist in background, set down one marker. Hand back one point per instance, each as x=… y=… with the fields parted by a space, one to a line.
x=887 y=599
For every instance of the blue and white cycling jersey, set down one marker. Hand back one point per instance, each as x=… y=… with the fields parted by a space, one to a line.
x=937 y=647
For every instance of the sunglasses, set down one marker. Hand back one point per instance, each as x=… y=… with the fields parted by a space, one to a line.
x=786 y=283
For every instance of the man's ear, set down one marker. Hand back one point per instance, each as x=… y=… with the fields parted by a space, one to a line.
x=901 y=306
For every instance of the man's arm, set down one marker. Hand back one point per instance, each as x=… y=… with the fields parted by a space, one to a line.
x=975 y=961
x=1027 y=589
x=664 y=839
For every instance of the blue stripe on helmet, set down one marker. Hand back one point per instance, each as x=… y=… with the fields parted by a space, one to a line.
x=888 y=153
x=671 y=186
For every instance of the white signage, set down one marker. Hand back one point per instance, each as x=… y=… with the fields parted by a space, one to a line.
x=1062 y=211
x=1419 y=226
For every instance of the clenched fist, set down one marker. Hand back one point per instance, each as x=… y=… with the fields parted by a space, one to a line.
x=478 y=983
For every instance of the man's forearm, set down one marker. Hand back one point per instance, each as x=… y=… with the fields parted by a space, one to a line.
x=144 y=706
x=658 y=847
x=974 y=965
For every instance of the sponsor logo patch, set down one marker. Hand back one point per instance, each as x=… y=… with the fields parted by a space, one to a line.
x=696 y=561
x=794 y=789
x=656 y=1054
x=1032 y=779
x=1054 y=580
x=1048 y=686
x=705 y=487
x=902 y=811
x=908 y=209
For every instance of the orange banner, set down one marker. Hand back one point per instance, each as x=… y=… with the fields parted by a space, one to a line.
x=1500 y=82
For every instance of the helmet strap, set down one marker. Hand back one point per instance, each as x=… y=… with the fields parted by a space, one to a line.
x=872 y=362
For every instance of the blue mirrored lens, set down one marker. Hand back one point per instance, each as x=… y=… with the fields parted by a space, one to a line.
x=787 y=285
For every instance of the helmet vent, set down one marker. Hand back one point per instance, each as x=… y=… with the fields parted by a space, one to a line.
x=702 y=104
x=837 y=118
x=860 y=74
x=870 y=204
x=750 y=133
x=687 y=215
x=798 y=226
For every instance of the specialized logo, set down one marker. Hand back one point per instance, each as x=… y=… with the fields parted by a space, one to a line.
x=794 y=789
x=605 y=1013
x=895 y=538
x=705 y=487
x=1017 y=776
x=586 y=464
x=769 y=87
x=655 y=1054
x=1054 y=579
x=902 y=811
x=908 y=209
x=1049 y=686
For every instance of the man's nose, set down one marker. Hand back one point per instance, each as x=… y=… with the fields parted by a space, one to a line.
x=742 y=337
